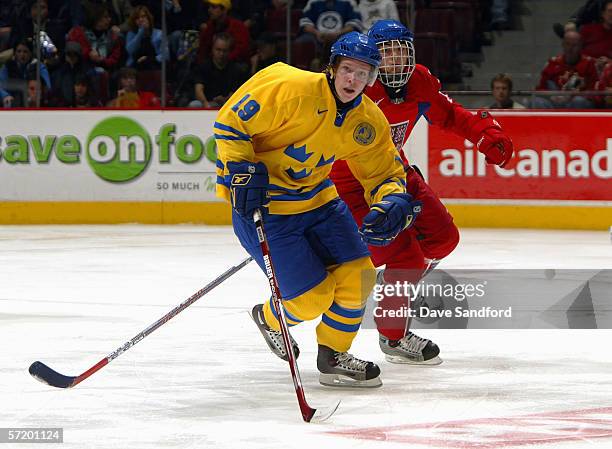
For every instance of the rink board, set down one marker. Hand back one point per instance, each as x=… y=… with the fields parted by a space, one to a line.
x=103 y=166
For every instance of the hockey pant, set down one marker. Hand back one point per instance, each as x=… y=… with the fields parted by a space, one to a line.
x=433 y=236
x=323 y=268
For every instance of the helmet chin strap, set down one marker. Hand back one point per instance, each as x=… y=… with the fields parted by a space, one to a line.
x=396 y=94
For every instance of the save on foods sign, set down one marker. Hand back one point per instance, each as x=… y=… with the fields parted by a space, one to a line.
x=559 y=158
x=107 y=156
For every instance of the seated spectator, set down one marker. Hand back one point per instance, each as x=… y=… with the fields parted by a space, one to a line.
x=218 y=78
x=251 y=13
x=144 y=43
x=119 y=10
x=597 y=37
x=33 y=86
x=323 y=21
x=15 y=73
x=51 y=35
x=9 y=11
x=501 y=89
x=100 y=45
x=128 y=95
x=220 y=21
x=266 y=53
x=605 y=84
x=64 y=77
x=590 y=12
x=373 y=10
x=84 y=95
x=571 y=71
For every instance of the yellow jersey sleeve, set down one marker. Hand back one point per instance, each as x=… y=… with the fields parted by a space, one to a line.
x=379 y=170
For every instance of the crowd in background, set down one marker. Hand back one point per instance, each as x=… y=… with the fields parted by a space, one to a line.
x=96 y=53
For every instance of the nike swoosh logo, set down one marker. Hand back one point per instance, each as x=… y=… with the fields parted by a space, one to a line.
x=319 y=111
x=378 y=101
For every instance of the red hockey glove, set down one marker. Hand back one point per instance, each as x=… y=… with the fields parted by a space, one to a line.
x=496 y=146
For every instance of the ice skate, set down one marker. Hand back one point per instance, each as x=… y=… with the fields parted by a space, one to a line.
x=411 y=349
x=273 y=338
x=341 y=369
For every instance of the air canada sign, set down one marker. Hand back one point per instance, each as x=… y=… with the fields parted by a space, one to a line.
x=557 y=157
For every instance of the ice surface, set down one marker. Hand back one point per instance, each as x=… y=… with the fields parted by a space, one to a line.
x=70 y=295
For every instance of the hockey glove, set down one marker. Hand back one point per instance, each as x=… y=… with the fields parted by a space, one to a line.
x=248 y=187
x=388 y=218
x=496 y=146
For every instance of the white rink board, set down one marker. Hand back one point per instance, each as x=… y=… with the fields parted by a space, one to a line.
x=69 y=136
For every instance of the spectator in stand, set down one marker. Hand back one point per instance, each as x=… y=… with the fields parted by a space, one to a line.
x=218 y=78
x=119 y=10
x=266 y=53
x=144 y=43
x=597 y=37
x=16 y=72
x=251 y=13
x=220 y=21
x=501 y=89
x=33 y=86
x=374 y=10
x=51 y=33
x=323 y=21
x=590 y=12
x=605 y=84
x=571 y=71
x=128 y=95
x=9 y=11
x=181 y=20
x=64 y=77
x=84 y=95
x=99 y=43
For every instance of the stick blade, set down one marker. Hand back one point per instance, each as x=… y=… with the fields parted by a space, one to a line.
x=46 y=375
x=321 y=414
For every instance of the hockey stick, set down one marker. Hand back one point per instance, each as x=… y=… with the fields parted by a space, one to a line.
x=308 y=413
x=46 y=375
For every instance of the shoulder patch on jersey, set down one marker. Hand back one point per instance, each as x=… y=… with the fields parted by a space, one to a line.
x=364 y=133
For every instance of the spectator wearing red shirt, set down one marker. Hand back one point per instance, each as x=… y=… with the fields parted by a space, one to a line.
x=605 y=84
x=597 y=37
x=570 y=71
x=128 y=95
x=219 y=21
x=99 y=43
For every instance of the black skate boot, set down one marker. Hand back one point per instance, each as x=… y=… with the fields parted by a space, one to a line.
x=411 y=349
x=341 y=369
x=273 y=338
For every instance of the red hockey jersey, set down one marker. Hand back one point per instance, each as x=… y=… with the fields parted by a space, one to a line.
x=423 y=100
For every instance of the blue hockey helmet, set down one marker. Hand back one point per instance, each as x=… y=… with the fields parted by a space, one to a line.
x=358 y=46
x=396 y=46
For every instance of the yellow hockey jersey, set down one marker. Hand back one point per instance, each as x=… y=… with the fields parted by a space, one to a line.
x=287 y=118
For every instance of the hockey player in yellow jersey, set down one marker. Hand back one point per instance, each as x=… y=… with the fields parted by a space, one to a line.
x=277 y=138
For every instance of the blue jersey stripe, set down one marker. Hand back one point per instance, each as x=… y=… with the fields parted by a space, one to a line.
x=222 y=137
x=295 y=195
x=346 y=313
x=340 y=326
x=230 y=129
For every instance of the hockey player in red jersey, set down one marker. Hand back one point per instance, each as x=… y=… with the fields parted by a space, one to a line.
x=407 y=92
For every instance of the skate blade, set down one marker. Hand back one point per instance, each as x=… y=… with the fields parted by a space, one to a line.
x=405 y=361
x=336 y=380
x=272 y=348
